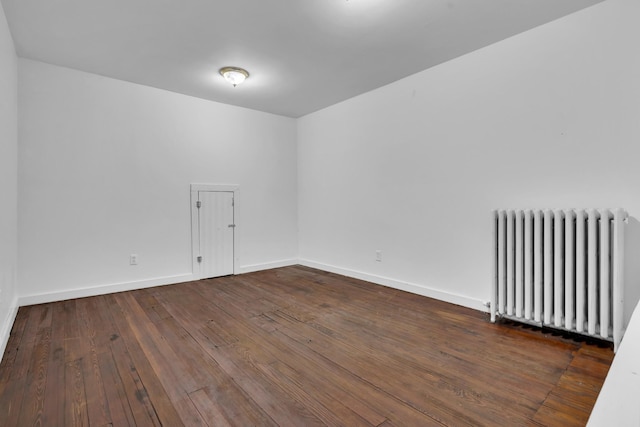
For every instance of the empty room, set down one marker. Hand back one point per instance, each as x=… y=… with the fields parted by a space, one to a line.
x=320 y=212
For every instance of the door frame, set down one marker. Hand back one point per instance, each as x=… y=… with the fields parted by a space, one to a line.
x=195 y=230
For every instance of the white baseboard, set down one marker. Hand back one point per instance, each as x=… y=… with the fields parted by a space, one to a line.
x=426 y=291
x=7 y=324
x=266 y=266
x=130 y=286
x=102 y=289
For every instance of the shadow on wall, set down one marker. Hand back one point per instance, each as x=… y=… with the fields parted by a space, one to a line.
x=631 y=267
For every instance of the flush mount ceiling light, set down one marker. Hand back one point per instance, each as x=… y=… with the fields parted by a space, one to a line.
x=234 y=75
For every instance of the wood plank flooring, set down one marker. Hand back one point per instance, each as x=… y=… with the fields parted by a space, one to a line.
x=288 y=347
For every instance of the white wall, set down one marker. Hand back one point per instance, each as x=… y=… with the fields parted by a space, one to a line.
x=8 y=181
x=617 y=404
x=104 y=172
x=549 y=118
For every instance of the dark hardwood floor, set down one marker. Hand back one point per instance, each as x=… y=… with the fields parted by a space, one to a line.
x=290 y=347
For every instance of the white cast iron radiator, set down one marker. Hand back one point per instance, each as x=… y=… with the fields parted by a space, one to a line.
x=560 y=268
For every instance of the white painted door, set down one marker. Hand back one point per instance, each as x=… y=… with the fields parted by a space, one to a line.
x=216 y=228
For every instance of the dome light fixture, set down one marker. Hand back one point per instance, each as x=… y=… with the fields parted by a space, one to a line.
x=234 y=75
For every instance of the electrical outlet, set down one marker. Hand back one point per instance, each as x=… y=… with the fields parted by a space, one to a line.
x=133 y=259
x=379 y=256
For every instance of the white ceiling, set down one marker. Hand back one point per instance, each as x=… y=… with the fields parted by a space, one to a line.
x=303 y=55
